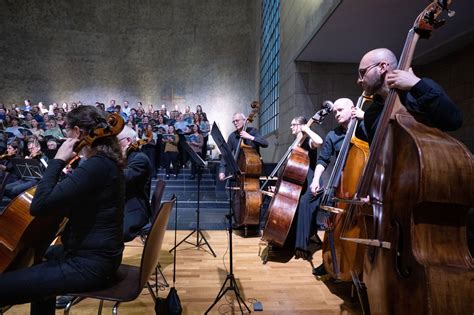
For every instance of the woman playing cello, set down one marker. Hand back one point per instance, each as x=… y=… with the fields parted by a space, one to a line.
x=91 y=197
x=304 y=221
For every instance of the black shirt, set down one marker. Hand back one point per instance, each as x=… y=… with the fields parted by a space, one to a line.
x=331 y=146
x=233 y=142
x=312 y=153
x=138 y=181
x=426 y=100
x=92 y=198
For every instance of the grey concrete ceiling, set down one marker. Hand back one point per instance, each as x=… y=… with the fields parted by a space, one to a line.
x=357 y=26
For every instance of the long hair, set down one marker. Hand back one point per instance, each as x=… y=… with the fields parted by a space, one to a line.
x=88 y=118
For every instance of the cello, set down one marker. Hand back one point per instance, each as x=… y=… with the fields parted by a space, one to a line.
x=342 y=258
x=419 y=180
x=24 y=238
x=248 y=198
x=288 y=188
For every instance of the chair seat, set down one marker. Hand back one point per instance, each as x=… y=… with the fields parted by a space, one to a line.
x=129 y=281
x=123 y=288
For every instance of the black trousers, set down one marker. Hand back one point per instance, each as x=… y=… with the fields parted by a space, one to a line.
x=59 y=275
x=194 y=166
x=306 y=216
x=171 y=157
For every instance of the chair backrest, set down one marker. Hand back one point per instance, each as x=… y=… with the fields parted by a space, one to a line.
x=3 y=182
x=154 y=241
x=156 y=198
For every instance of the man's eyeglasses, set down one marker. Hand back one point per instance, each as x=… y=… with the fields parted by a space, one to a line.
x=363 y=71
x=294 y=125
x=236 y=121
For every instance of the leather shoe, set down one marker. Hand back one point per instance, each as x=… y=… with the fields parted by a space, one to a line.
x=63 y=300
x=320 y=271
x=303 y=254
x=167 y=176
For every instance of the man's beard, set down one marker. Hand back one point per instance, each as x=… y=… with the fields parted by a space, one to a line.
x=377 y=87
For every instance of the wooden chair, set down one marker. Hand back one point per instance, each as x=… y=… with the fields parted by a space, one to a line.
x=3 y=183
x=156 y=198
x=155 y=204
x=155 y=208
x=130 y=280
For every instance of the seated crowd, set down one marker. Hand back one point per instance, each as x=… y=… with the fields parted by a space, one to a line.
x=32 y=131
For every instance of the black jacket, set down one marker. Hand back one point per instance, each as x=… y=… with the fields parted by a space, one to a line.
x=92 y=198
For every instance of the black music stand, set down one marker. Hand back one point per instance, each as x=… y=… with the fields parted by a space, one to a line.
x=200 y=163
x=28 y=169
x=234 y=170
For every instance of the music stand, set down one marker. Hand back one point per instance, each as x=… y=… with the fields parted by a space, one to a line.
x=200 y=163
x=234 y=170
x=28 y=169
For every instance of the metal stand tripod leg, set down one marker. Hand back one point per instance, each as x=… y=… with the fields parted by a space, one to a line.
x=200 y=238
x=230 y=275
x=232 y=287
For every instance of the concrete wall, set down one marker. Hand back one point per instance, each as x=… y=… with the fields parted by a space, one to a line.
x=143 y=50
x=455 y=74
x=300 y=94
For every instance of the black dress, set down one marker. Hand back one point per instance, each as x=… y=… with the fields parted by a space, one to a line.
x=305 y=217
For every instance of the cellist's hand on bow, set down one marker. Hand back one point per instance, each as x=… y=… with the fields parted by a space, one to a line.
x=314 y=187
x=245 y=135
x=221 y=176
x=65 y=151
x=402 y=80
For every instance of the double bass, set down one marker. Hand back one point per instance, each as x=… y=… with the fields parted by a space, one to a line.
x=24 y=238
x=419 y=180
x=294 y=167
x=342 y=259
x=248 y=198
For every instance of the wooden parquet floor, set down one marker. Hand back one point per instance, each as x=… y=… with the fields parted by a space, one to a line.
x=282 y=288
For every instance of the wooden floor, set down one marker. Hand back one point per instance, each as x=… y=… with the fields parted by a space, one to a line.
x=282 y=288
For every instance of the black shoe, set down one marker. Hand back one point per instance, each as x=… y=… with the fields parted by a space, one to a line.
x=316 y=240
x=192 y=177
x=175 y=176
x=320 y=271
x=167 y=176
x=303 y=254
x=63 y=300
x=236 y=226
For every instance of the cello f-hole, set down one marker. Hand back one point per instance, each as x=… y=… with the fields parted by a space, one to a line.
x=402 y=271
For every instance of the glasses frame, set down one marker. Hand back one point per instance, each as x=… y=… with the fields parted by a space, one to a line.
x=364 y=71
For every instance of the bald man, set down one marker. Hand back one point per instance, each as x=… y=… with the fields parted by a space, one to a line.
x=344 y=110
x=378 y=74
